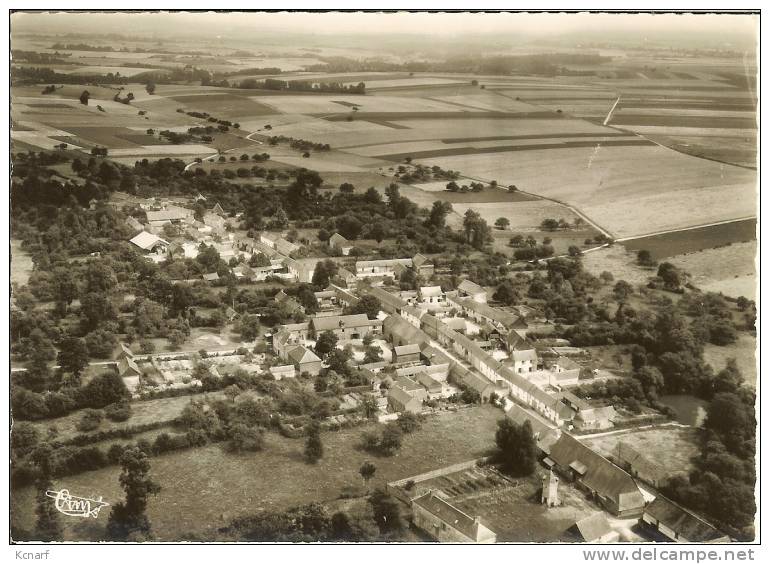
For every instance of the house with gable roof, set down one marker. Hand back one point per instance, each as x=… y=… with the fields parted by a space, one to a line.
x=444 y=522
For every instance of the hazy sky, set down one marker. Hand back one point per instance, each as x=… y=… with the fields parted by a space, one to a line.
x=720 y=27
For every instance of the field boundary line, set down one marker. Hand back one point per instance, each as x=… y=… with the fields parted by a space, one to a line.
x=690 y=228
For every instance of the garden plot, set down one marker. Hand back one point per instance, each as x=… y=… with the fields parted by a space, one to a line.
x=630 y=191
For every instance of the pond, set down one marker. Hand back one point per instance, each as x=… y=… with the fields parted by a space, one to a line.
x=689 y=409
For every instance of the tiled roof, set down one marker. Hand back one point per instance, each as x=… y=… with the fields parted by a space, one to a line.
x=593 y=527
x=452 y=516
x=147 y=241
x=601 y=475
x=336 y=321
x=682 y=521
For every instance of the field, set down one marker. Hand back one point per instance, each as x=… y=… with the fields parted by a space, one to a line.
x=224 y=105
x=204 y=487
x=142 y=412
x=674 y=447
x=728 y=269
x=691 y=240
x=21 y=264
x=744 y=351
x=630 y=191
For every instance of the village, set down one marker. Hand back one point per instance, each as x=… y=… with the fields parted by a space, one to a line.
x=416 y=354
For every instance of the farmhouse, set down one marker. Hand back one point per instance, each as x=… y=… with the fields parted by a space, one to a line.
x=639 y=465
x=564 y=372
x=524 y=361
x=383 y=267
x=340 y=244
x=127 y=367
x=390 y=303
x=423 y=266
x=595 y=418
x=481 y=312
x=301 y=269
x=476 y=382
x=288 y=302
x=595 y=528
x=400 y=401
x=346 y=326
x=172 y=214
x=445 y=523
x=431 y=295
x=471 y=290
x=150 y=243
x=675 y=523
x=407 y=353
x=304 y=360
x=540 y=427
x=281 y=372
x=611 y=486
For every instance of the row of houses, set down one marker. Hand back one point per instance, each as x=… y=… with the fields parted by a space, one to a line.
x=392 y=268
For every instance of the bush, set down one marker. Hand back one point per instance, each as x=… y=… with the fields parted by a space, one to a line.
x=119 y=411
x=90 y=420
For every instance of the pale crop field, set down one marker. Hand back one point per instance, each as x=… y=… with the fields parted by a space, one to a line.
x=524 y=216
x=628 y=190
x=96 y=70
x=489 y=101
x=165 y=150
x=317 y=104
x=398 y=82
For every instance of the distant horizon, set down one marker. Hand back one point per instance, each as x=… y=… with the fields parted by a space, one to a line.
x=731 y=28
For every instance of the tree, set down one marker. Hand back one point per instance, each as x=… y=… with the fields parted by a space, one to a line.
x=438 y=214
x=367 y=471
x=390 y=441
x=621 y=291
x=477 y=232
x=507 y=293
x=73 y=356
x=324 y=271
x=150 y=87
x=387 y=513
x=48 y=526
x=606 y=277
x=84 y=97
x=368 y=304
x=644 y=258
x=574 y=251
x=314 y=449
x=128 y=519
x=502 y=223
x=326 y=342
x=104 y=389
x=671 y=275
x=517 y=451
x=243 y=438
